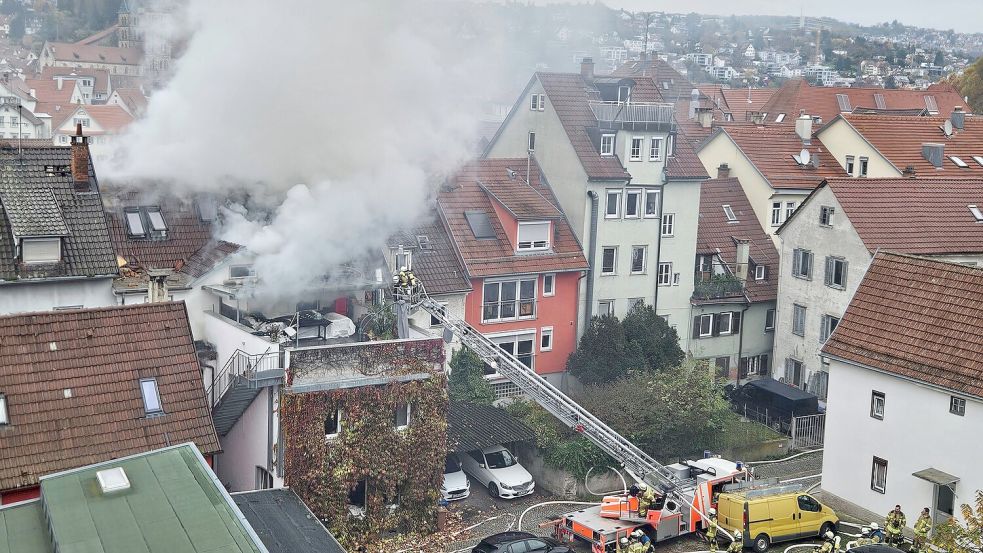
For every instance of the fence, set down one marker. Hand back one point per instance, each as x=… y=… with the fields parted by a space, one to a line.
x=241 y=364
x=808 y=431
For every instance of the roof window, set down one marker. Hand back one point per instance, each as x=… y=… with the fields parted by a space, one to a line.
x=207 y=209
x=958 y=161
x=134 y=223
x=931 y=105
x=480 y=225
x=151 y=397
x=976 y=212
x=145 y=222
x=780 y=118
x=879 y=101
x=979 y=160
x=844 y=102
x=729 y=213
x=423 y=241
x=4 y=419
x=157 y=223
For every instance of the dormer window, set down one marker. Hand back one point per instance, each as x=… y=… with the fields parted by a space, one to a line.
x=607 y=145
x=624 y=93
x=40 y=250
x=533 y=236
x=242 y=271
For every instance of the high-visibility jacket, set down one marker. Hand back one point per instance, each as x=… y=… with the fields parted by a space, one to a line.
x=712 y=528
x=922 y=526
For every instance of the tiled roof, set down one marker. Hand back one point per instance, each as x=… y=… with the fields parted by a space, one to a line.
x=672 y=85
x=770 y=150
x=570 y=95
x=110 y=117
x=75 y=53
x=900 y=139
x=491 y=257
x=916 y=216
x=32 y=211
x=737 y=101
x=685 y=164
x=47 y=92
x=521 y=200
x=796 y=95
x=100 y=77
x=72 y=384
x=86 y=248
x=438 y=267
x=210 y=255
x=919 y=319
x=717 y=235
x=136 y=101
x=471 y=427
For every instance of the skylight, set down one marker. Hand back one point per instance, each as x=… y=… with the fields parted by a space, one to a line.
x=844 y=102
x=423 y=241
x=207 y=209
x=151 y=396
x=978 y=159
x=480 y=225
x=134 y=224
x=976 y=212
x=157 y=223
x=780 y=118
x=729 y=213
x=959 y=162
x=4 y=419
x=931 y=105
x=879 y=101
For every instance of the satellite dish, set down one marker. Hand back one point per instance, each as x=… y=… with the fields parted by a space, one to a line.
x=804 y=157
x=947 y=127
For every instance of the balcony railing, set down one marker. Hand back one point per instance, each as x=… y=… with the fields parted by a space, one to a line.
x=717 y=287
x=242 y=365
x=632 y=113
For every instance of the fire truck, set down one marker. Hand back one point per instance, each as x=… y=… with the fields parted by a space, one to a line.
x=683 y=491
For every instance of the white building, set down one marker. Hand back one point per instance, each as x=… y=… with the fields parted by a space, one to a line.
x=906 y=401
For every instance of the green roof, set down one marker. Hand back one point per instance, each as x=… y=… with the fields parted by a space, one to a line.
x=22 y=529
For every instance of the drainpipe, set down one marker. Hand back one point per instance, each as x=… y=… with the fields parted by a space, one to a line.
x=591 y=252
x=740 y=343
x=658 y=242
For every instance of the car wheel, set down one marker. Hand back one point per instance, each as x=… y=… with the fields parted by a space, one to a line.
x=493 y=490
x=761 y=543
x=827 y=527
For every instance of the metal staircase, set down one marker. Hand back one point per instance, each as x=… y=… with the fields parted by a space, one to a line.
x=239 y=382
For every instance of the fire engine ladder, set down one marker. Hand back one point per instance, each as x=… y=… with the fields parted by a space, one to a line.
x=557 y=403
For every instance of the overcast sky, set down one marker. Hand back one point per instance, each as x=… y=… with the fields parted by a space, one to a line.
x=961 y=15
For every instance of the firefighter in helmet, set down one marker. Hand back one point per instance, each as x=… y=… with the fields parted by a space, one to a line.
x=864 y=538
x=829 y=543
x=712 y=529
x=736 y=546
x=922 y=527
x=895 y=526
x=876 y=534
x=646 y=500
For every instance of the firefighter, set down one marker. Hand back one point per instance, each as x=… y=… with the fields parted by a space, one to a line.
x=712 y=529
x=829 y=543
x=876 y=534
x=636 y=546
x=643 y=540
x=736 y=546
x=622 y=544
x=864 y=538
x=922 y=527
x=645 y=501
x=895 y=526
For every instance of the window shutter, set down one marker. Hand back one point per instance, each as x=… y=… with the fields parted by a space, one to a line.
x=796 y=262
x=788 y=371
x=696 y=326
x=845 y=266
x=829 y=270
x=764 y=368
x=809 y=258
x=736 y=322
x=715 y=324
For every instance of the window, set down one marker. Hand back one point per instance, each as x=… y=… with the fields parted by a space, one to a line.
x=633 y=200
x=63 y=139
x=605 y=307
x=878 y=475
x=401 y=419
x=134 y=223
x=802 y=263
x=754 y=365
x=877 y=401
x=827 y=326
x=332 y=424
x=725 y=323
x=789 y=209
x=403 y=259
x=434 y=321
x=722 y=365
x=156 y=220
x=770 y=320
x=977 y=213
x=958 y=161
x=518 y=345
x=531 y=142
x=638 y=259
x=509 y=300
x=931 y=105
x=549 y=284
x=537 y=102
x=730 y=214
x=978 y=160
x=612 y=210
x=957 y=406
x=836 y=272
x=40 y=250
x=546 y=338
x=607 y=144
x=705 y=326
x=635 y=153
x=609 y=260
x=356 y=497
x=798 y=320
x=826 y=216
x=651 y=203
x=793 y=371
x=151 y=396
x=844 y=102
x=624 y=93
x=809 y=504
x=4 y=417
x=864 y=162
x=668 y=224
x=776 y=214
x=670 y=145
x=84 y=121
x=655 y=149
x=241 y=271
x=533 y=236
x=665 y=274
x=780 y=118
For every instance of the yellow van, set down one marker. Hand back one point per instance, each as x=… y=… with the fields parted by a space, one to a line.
x=769 y=516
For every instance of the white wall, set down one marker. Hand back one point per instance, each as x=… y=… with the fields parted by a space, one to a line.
x=228 y=337
x=22 y=297
x=841 y=140
x=248 y=445
x=682 y=198
x=917 y=432
x=455 y=309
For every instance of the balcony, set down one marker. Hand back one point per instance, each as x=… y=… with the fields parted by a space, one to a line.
x=636 y=116
x=709 y=287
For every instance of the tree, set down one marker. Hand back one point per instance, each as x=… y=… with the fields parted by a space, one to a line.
x=656 y=340
x=604 y=354
x=967 y=537
x=890 y=82
x=467 y=382
x=970 y=85
x=939 y=59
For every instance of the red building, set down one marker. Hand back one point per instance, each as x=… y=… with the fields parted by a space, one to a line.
x=522 y=259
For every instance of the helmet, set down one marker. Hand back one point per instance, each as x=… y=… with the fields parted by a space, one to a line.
x=737 y=535
x=638 y=533
x=712 y=511
x=865 y=531
x=874 y=526
x=829 y=535
x=643 y=486
x=624 y=541
x=403 y=269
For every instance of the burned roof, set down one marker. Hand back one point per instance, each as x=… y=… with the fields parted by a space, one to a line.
x=916 y=318
x=471 y=426
x=72 y=384
x=284 y=523
x=436 y=262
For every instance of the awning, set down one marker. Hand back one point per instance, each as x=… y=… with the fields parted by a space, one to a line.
x=936 y=476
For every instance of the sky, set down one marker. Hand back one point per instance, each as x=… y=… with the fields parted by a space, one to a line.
x=961 y=15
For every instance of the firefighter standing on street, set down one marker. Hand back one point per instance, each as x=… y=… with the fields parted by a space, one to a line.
x=646 y=500
x=712 y=529
x=829 y=543
x=922 y=527
x=736 y=546
x=895 y=526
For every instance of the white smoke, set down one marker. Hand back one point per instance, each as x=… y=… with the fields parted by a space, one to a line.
x=332 y=117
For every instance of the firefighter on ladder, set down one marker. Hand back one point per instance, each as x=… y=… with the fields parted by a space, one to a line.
x=645 y=501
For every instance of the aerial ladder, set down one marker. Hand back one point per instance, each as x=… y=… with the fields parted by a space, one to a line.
x=684 y=491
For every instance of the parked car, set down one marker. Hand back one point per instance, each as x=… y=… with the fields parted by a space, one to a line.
x=766 y=518
x=519 y=542
x=456 y=484
x=499 y=471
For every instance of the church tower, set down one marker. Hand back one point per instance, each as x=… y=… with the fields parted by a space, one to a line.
x=124 y=32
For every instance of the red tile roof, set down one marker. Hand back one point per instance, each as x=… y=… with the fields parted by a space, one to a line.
x=72 y=384
x=99 y=76
x=685 y=164
x=112 y=118
x=770 y=150
x=917 y=216
x=75 y=53
x=47 y=92
x=919 y=319
x=494 y=257
x=134 y=99
x=438 y=266
x=796 y=95
x=672 y=84
x=716 y=234
x=737 y=101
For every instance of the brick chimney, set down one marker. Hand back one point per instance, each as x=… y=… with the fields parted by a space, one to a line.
x=587 y=69
x=80 y=161
x=723 y=171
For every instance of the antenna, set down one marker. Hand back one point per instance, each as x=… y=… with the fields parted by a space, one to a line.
x=804 y=156
x=947 y=127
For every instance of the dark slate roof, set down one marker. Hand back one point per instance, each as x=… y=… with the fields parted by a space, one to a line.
x=438 y=267
x=284 y=523
x=471 y=426
x=87 y=250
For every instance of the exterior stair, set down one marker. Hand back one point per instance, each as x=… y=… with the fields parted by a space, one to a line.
x=238 y=384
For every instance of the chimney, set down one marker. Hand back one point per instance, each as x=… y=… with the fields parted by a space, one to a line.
x=743 y=254
x=723 y=171
x=803 y=127
x=909 y=172
x=704 y=116
x=59 y=79
x=933 y=153
x=587 y=69
x=80 y=160
x=694 y=103
x=157 y=287
x=958 y=118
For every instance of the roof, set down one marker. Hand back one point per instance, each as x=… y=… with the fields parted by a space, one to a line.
x=927 y=216
x=671 y=84
x=438 y=266
x=100 y=77
x=780 y=388
x=717 y=235
x=570 y=96
x=900 y=140
x=88 y=53
x=24 y=178
x=136 y=100
x=741 y=101
x=770 y=150
x=111 y=118
x=497 y=256
x=685 y=164
x=48 y=94
x=100 y=356
x=23 y=529
x=796 y=95
x=284 y=523
x=471 y=426
x=918 y=319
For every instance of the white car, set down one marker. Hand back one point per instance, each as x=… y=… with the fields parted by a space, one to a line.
x=498 y=470
x=456 y=484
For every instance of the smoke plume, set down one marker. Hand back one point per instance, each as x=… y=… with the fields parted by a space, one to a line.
x=333 y=118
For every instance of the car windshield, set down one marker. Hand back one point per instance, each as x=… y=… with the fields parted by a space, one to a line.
x=451 y=465
x=499 y=459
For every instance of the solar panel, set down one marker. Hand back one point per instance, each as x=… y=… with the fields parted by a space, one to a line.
x=931 y=105
x=844 y=101
x=879 y=101
x=480 y=225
